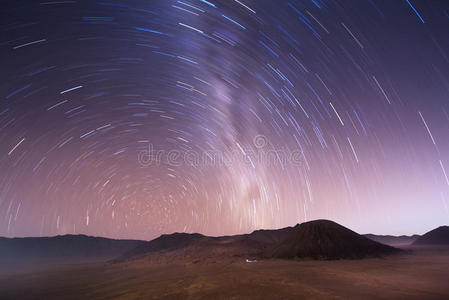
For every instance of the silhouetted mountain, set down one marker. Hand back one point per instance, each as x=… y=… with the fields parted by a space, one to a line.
x=64 y=248
x=319 y=239
x=393 y=240
x=438 y=236
x=324 y=239
x=195 y=246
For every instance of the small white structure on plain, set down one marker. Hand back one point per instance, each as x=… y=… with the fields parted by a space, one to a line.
x=251 y=260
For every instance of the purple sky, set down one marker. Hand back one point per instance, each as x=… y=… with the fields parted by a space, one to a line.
x=135 y=118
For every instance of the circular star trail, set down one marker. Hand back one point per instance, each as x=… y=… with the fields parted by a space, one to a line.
x=137 y=118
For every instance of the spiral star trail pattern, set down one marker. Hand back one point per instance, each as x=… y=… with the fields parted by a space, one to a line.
x=135 y=118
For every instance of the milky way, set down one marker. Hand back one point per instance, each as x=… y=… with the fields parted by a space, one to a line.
x=137 y=118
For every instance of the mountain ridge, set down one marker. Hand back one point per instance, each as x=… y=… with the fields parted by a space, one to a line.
x=318 y=239
x=62 y=248
x=286 y=242
x=437 y=236
x=393 y=240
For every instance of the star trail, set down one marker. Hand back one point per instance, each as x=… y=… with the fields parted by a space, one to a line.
x=131 y=119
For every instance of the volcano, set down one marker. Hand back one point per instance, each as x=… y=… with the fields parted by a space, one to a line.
x=324 y=239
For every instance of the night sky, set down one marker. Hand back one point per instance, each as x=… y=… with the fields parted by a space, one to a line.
x=130 y=119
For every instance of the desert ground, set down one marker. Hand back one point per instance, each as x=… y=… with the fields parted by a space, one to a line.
x=420 y=273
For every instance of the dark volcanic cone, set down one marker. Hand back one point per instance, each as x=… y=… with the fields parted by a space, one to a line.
x=323 y=239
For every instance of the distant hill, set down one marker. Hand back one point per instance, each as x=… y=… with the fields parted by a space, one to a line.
x=321 y=239
x=195 y=246
x=393 y=240
x=64 y=248
x=324 y=239
x=438 y=236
